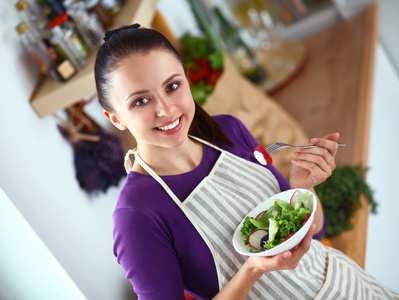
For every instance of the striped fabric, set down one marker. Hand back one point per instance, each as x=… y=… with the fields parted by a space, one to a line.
x=219 y=203
x=346 y=280
x=234 y=188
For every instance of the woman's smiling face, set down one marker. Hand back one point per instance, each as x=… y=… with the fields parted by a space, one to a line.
x=151 y=97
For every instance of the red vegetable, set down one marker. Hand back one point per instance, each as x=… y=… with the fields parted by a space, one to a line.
x=213 y=77
x=262 y=156
x=200 y=70
x=255 y=238
x=260 y=215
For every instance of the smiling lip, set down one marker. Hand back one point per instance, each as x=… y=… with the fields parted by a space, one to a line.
x=170 y=127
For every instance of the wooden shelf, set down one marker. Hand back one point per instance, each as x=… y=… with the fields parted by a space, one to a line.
x=333 y=93
x=53 y=95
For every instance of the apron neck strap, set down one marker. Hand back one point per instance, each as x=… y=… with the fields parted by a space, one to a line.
x=129 y=165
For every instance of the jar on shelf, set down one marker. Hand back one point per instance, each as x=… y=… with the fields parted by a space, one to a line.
x=88 y=25
x=65 y=31
x=66 y=47
x=36 y=23
x=64 y=67
x=55 y=67
x=96 y=7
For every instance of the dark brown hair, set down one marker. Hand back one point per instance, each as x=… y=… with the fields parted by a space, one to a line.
x=128 y=41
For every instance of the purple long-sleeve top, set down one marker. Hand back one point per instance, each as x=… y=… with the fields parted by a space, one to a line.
x=154 y=242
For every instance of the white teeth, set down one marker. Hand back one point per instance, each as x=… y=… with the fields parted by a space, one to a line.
x=171 y=126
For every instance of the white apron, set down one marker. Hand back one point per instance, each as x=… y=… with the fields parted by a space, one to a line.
x=216 y=207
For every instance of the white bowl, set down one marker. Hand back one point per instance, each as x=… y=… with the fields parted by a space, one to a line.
x=238 y=238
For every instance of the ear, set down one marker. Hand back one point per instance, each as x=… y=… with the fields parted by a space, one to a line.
x=114 y=120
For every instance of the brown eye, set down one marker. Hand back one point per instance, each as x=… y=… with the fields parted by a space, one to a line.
x=172 y=87
x=141 y=101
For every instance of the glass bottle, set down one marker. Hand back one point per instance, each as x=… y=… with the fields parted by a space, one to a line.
x=88 y=25
x=241 y=54
x=96 y=7
x=64 y=41
x=57 y=69
x=65 y=69
x=112 y=6
x=69 y=34
x=36 y=23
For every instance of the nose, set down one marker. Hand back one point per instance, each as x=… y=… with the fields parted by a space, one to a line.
x=164 y=108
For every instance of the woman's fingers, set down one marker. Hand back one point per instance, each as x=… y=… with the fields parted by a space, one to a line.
x=314 y=159
x=288 y=260
x=328 y=142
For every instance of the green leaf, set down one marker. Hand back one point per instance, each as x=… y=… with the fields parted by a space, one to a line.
x=339 y=196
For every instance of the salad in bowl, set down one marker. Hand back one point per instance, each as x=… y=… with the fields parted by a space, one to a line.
x=277 y=224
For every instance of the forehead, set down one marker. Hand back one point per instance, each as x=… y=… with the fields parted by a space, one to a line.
x=151 y=65
x=144 y=71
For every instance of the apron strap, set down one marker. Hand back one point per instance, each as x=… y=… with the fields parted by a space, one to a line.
x=129 y=165
x=127 y=162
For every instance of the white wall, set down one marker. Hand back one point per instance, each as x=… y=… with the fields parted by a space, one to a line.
x=37 y=174
x=26 y=260
x=389 y=25
x=382 y=243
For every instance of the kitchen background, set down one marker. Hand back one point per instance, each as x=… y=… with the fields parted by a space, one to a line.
x=56 y=240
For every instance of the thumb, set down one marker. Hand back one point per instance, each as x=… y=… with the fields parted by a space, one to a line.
x=281 y=259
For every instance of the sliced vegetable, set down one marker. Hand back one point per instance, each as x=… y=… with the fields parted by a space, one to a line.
x=281 y=221
x=262 y=156
x=294 y=197
x=255 y=238
x=260 y=215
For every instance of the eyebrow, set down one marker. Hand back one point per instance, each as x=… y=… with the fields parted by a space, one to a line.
x=170 y=78
x=146 y=91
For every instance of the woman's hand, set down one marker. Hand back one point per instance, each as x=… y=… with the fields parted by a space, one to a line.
x=287 y=260
x=312 y=166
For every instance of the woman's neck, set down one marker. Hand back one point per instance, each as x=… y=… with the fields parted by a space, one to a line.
x=166 y=161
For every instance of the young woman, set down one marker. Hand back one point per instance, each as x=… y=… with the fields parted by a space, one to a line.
x=192 y=178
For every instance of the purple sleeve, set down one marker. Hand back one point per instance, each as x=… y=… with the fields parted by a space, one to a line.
x=143 y=263
x=320 y=234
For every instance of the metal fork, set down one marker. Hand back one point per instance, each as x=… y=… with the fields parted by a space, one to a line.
x=277 y=146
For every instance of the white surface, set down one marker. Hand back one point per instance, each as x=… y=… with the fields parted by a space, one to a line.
x=389 y=24
x=38 y=176
x=28 y=269
x=382 y=259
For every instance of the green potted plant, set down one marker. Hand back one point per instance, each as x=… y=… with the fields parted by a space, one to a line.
x=339 y=195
